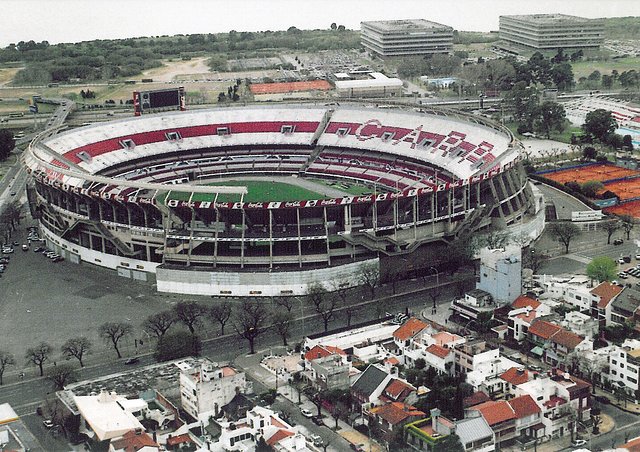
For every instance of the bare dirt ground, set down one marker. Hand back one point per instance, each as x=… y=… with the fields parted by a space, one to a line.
x=174 y=69
x=7 y=74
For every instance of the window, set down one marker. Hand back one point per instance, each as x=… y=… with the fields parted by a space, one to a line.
x=613 y=372
x=173 y=136
x=621 y=366
x=425 y=143
x=84 y=156
x=127 y=144
x=343 y=131
x=386 y=136
x=287 y=129
x=222 y=131
x=613 y=361
x=632 y=380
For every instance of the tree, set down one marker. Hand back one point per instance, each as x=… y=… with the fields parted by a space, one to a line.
x=7 y=143
x=6 y=359
x=600 y=124
x=532 y=260
x=564 y=232
x=626 y=221
x=369 y=276
x=627 y=142
x=450 y=443
x=284 y=302
x=589 y=153
x=334 y=26
x=38 y=355
x=61 y=376
x=341 y=288
x=323 y=302
x=159 y=323
x=562 y=76
x=250 y=322
x=282 y=324
x=550 y=116
x=76 y=347
x=611 y=227
x=524 y=101
x=220 y=313
x=113 y=332
x=177 y=345
x=190 y=313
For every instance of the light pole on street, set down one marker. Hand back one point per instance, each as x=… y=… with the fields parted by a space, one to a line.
x=437 y=275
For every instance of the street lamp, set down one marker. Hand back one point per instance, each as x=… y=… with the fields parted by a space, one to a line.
x=437 y=275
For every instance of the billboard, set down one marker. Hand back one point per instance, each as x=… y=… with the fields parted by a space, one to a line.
x=161 y=99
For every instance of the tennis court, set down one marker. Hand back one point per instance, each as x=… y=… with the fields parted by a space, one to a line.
x=631 y=208
x=592 y=172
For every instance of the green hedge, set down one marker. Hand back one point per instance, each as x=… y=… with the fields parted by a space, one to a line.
x=564 y=189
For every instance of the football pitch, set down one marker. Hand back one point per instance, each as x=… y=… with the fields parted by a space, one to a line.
x=258 y=191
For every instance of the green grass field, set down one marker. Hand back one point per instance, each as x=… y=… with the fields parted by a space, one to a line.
x=258 y=191
x=584 y=68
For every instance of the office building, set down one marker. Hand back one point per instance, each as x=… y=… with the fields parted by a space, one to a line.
x=406 y=37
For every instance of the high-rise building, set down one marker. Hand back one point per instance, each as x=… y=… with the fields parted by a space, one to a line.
x=551 y=31
x=406 y=37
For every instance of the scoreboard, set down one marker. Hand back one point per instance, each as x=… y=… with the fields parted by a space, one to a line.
x=163 y=99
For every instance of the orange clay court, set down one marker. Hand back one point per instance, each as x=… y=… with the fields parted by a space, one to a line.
x=631 y=208
x=624 y=189
x=591 y=172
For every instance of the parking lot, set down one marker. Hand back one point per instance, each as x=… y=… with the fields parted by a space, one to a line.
x=44 y=299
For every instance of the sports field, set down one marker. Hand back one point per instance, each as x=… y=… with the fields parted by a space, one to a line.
x=631 y=208
x=625 y=189
x=592 y=172
x=258 y=191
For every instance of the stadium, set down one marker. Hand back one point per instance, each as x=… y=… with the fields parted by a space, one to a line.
x=263 y=201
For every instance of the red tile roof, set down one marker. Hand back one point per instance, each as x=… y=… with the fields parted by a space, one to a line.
x=527 y=317
x=438 y=351
x=524 y=406
x=396 y=412
x=515 y=376
x=396 y=387
x=442 y=338
x=321 y=351
x=475 y=399
x=544 y=329
x=278 y=436
x=523 y=301
x=567 y=339
x=175 y=440
x=133 y=442
x=607 y=292
x=393 y=361
x=495 y=412
x=288 y=87
x=410 y=328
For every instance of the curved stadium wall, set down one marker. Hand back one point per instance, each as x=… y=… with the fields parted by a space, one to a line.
x=135 y=195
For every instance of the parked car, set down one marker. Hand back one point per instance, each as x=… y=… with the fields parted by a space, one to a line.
x=618 y=242
x=602 y=399
x=317 y=441
x=133 y=360
x=306 y=413
x=578 y=442
x=25 y=247
x=47 y=423
x=317 y=420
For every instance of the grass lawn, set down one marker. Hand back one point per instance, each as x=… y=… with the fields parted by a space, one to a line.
x=258 y=191
x=345 y=186
x=584 y=68
x=564 y=136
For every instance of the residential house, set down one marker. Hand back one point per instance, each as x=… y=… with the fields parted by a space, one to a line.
x=581 y=324
x=572 y=290
x=528 y=414
x=367 y=389
x=329 y=372
x=519 y=321
x=134 y=441
x=501 y=273
x=399 y=391
x=552 y=343
x=391 y=417
x=440 y=358
x=404 y=335
x=487 y=368
x=205 y=387
x=108 y=416
x=512 y=378
x=465 y=355
x=473 y=431
x=561 y=397
x=502 y=420
x=624 y=365
x=474 y=303
x=624 y=307
x=601 y=298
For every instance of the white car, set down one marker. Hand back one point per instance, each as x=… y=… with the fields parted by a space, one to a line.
x=578 y=442
x=306 y=413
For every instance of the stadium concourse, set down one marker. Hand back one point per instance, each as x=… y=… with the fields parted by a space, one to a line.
x=162 y=196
